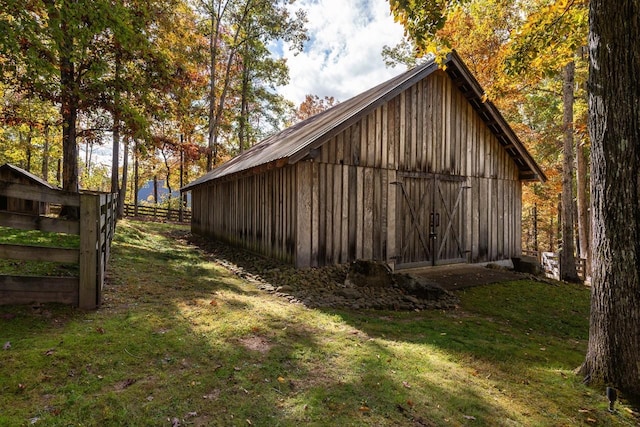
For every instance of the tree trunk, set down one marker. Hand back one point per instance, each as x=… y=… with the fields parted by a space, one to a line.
x=567 y=257
x=614 y=114
x=180 y=205
x=115 y=154
x=136 y=179
x=122 y=194
x=216 y=19
x=582 y=186
x=243 y=120
x=28 y=148
x=155 y=189
x=45 y=154
x=69 y=113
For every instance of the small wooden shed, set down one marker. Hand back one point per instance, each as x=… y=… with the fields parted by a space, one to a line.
x=13 y=174
x=419 y=170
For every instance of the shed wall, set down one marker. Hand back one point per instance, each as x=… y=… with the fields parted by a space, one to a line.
x=346 y=204
x=257 y=212
x=355 y=207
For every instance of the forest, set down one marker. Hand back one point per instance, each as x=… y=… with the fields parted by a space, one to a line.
x=181 y=86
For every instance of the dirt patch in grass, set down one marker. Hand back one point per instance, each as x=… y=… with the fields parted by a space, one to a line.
x=256 y=343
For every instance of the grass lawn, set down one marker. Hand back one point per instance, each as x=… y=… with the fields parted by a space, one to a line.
x=181 y=341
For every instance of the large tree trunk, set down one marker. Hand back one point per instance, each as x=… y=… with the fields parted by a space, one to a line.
x=567 y=252
x=614 y=115
x=69 y=113
x=69 y=149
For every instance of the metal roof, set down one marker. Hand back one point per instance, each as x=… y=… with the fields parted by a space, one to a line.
x=296 y=142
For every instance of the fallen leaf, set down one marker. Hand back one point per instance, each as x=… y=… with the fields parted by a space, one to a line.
x=410 y=403
x=6 y=346
x=50 y=352
x=592 y=420
x=406 y=384
x=281 y=380
x=175 y=422
x=213 y=303
x=364 y=408
x=584 y=411
x=100 y=330
x=249 y=422
x=469 y=417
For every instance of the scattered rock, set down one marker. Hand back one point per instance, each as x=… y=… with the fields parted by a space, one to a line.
x=360 y=285
x=371 y=274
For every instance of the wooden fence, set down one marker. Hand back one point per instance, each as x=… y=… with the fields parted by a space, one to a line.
x=174 y=215
x=551 y=267
x=95 y=227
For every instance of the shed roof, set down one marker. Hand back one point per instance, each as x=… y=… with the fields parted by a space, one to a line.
x=31 y=177
x=297 y=142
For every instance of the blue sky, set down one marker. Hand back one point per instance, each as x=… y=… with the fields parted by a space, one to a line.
x=343 y=56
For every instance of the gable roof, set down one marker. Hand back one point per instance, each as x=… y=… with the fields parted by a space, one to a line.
x=297 y=142
x=31 y=177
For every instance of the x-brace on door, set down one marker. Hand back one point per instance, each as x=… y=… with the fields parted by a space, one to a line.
x=430 y=224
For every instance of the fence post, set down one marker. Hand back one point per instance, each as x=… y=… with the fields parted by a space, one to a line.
x=89 y=222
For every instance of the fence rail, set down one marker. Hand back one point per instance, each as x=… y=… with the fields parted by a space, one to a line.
x=551 y=266
x=95 y=227
x=174 y=215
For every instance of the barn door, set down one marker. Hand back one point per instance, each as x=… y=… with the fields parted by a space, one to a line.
x=430 y=222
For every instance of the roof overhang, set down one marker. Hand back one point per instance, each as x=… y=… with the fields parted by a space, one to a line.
x=301 y=140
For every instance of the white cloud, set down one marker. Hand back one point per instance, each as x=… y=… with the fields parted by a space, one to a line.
x=344 y=54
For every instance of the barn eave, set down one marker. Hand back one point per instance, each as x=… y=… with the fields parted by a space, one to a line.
x=303 y=140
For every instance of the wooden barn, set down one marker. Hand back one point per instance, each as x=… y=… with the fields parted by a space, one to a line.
x=14 y=174
x=415 y=171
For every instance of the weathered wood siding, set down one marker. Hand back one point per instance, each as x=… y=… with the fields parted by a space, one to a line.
x=429 y=128
x=343 y=212
x=257 y=212
x=346 y=203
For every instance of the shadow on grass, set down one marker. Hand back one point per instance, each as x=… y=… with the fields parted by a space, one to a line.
x=180 y=340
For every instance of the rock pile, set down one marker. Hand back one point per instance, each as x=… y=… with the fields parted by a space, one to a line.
x=361 y=285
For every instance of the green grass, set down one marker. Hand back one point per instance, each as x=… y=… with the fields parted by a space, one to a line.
x=14 y=236
x=181 y=338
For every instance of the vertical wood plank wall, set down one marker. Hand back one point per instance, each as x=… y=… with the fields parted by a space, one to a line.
x=343 y=205
x=257 y=212
x=429 y=128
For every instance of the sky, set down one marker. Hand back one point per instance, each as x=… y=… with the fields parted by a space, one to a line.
x=344 y=54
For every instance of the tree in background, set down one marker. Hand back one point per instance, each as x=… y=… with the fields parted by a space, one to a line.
x=232 y=24
x=313 y=105
x=30 y=131
x=53 y=50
